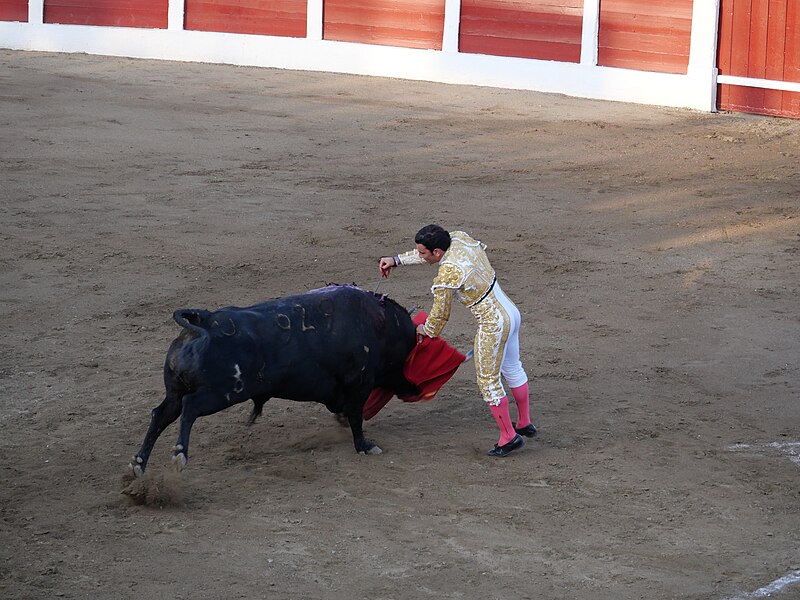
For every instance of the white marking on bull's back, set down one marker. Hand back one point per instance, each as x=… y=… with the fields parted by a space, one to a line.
x=366 y=349
x=774 y=587
x=238 y=384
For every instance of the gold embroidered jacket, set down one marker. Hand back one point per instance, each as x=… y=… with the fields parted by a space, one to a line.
x=464 y=271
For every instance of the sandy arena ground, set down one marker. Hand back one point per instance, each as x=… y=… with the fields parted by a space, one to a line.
x=653 y=253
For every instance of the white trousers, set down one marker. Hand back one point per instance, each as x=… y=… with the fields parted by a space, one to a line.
x=497 y=346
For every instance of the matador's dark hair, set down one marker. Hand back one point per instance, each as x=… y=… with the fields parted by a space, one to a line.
x=432 y=237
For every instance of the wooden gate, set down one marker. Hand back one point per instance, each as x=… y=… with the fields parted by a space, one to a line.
x=759 y=57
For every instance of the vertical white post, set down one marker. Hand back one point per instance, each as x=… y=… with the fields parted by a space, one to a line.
x=590 y=32
x=175 y=15
x=314 y=19
x=35 y=12
x=703 y=49
x=452 y=24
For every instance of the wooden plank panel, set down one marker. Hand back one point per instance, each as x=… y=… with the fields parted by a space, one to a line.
x=791 y=68
x=657 y=42
x=725 y=36
x=776 y=40
x=757 y=51
x=566 y=7
x=648 y=35
x=773 y=101
x=285 y=18
x=403 y=23
x=742 y=99
x=383 y=19
x=14 y=10
x=113 y=13
x=740 y=34
x=540 y=29
x=774 y=52
x=673 y=9
x=653 y=25
x=635 y=59
x=525 y=26
x=520 y=48
x=382 y=36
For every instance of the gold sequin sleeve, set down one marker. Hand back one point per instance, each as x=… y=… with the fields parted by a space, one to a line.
x=411 y=257
x=448 y=279
x=440 y=311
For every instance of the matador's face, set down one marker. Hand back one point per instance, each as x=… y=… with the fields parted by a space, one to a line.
x=430 y=256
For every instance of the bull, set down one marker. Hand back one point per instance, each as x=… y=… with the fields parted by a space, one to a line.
x=332 y=345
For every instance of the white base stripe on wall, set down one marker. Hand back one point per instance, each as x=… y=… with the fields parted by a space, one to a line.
x=580 y=80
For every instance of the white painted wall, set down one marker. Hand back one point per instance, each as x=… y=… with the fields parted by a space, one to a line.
x=695 y=90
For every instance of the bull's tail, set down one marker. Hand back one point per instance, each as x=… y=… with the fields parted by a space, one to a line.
x=193 y=319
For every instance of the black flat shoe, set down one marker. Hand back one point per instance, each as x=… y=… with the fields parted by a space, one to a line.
x=527 y=431
x=506 y=449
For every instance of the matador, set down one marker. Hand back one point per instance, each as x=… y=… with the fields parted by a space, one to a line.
x=466 y=274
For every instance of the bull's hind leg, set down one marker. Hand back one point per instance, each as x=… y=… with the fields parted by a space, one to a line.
x=162 y=416
x=198 y=404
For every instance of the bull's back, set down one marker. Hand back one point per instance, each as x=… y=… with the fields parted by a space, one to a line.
x=335 y=321
x=295 y=346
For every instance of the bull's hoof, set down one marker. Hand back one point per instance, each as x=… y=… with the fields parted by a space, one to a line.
x=136 y=466
x=179 y=461
x=370 y=448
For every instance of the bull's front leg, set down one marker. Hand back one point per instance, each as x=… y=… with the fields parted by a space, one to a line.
x=355 y=417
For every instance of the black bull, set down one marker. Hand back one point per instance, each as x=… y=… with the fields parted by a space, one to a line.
x=333 y=345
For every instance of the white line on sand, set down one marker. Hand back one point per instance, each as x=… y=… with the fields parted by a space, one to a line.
x=792 y=449
x=773 y=588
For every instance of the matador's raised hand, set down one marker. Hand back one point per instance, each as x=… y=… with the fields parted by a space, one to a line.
x=386 y=265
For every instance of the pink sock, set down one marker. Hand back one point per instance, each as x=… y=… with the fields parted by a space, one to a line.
x=523 y=405
x=500 y=413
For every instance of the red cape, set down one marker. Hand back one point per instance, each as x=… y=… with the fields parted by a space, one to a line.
x=428 y=366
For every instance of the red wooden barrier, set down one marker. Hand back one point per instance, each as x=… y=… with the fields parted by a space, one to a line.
x=114 y=13
x=760 y=39
x=542 y=29
x=13 y=10
x=647 y=35
x=285 y=18
x=405 y=23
